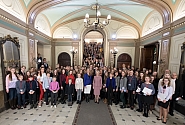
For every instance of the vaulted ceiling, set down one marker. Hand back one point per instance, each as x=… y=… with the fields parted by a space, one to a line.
x=131 y=12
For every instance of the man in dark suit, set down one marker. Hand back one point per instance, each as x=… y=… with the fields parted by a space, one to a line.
x=39 y=61
x=177 y=94
x=22 y=72
x=45 y=64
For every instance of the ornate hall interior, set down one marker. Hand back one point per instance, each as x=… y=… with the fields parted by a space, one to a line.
x=145 y=34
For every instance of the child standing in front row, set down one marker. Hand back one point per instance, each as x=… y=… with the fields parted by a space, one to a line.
x=69 y=92
x=79 y=88
x=54 y=87
x=21 y=88
x=31 y=86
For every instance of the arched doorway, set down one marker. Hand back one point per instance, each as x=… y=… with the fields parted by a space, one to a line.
x=124 y=58
x=93 y=47
x=64 y=59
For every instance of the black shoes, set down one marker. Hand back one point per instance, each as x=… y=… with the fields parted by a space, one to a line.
x=171 y=113
x=31 y=106
x=139 y=110
x=145 y=115
x=122 y=106
x=77 y=102
x=35 y=106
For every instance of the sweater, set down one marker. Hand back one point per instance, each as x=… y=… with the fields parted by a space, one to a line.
x=117 y=82
x=46 y=82
x=87 y=79
x=123 y=83
x=11 y=84
x=20 y=86
x=149 y=86
x=31 y=85
x=54 y=86
x=70 y=77
x=79 y=83
x=131 y=83
x=108 y=83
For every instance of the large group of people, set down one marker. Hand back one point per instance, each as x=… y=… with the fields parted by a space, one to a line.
x=126 y=86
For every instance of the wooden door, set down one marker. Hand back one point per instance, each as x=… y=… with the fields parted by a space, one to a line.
x=147 y=55
x=124 y=59
x=64 y=59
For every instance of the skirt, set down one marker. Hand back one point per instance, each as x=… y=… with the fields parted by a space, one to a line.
x=164 y=105
x=147 y=99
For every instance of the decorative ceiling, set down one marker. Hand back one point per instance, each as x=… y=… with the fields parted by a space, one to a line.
x=116 y=8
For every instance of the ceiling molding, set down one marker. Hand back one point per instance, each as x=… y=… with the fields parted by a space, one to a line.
x=162 y=7
x=113 y=18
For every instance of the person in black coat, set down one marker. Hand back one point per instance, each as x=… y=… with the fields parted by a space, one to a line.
x=69 y=91
x=31 y=87
x=177 y=95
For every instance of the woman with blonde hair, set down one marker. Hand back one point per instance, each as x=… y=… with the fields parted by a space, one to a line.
x=97 y=85
x=165 y=92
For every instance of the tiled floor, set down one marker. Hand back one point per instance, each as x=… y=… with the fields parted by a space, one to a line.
x=132 y=117
x=62 y=115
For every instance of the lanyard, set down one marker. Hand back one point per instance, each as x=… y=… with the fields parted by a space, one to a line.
x=130 y=79
x=31 y=85
x=20 y=84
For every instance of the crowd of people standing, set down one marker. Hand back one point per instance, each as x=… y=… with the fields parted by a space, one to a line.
x=125 y=86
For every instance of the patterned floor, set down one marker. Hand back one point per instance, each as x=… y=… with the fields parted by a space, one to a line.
x=64 y=115
x=132 y=117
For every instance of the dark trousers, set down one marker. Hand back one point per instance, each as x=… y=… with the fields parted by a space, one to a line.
x=46 y=95
x=122 y=98
x=12 y=97
x=140 y=103
x=146 y=108
x=172 y=104
x=87 y=96
x=131 y=97
x=12 y=93
x=70 y=98
x=54 y=97
x=21 y=99
x=116 y=96
x=32 y=98
x=109 y=95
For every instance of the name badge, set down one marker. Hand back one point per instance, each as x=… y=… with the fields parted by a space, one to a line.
x=129 y=84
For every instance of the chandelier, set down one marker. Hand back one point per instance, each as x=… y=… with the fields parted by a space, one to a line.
x=96 y=23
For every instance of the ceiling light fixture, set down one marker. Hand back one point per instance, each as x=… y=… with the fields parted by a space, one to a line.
x=97 y=22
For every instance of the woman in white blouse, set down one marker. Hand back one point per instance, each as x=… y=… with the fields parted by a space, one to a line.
x=165 y=92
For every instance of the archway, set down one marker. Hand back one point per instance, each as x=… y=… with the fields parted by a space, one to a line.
x=93 y=47
x=124 y=58
x=64 y=59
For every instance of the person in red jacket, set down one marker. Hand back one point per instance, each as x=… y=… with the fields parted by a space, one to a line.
x=70 y=76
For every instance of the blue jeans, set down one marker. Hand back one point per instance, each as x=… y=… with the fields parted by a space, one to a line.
x=21 y=97
x=12 y=93
x=140 y=103
x=69 y=97
x=79 y=92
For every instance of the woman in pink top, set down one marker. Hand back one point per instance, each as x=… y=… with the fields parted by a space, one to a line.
x=97 y=85
x=54 y=87
x=11 y=80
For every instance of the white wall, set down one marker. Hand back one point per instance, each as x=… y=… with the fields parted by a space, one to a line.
x=60 y=49
x=47 y=53
x=129 y=50
x=175 y=52
x=40 y=49
x=23 y=41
